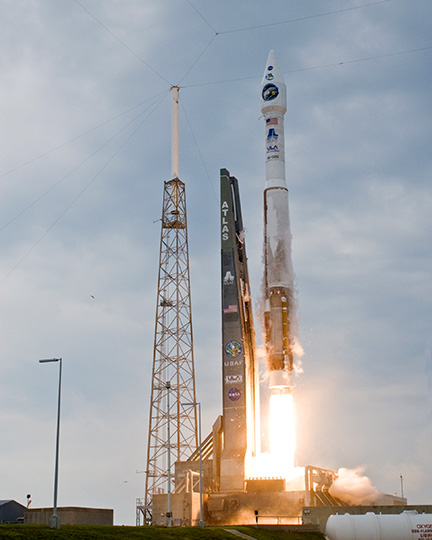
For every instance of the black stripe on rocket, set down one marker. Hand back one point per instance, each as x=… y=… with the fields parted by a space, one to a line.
x=233 y=345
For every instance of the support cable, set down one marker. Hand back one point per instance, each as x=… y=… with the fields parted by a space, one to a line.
x=199 y=152
x=46 y=153
x=320 y=66
x=202 y=17
x=198 y=58
x=304 y=18
x=122 y=42
x=75 y=199
x=51 y=188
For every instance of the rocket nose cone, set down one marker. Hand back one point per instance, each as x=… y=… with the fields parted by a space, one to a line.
x=271 y=60
x=272 y=71
x=273 y=90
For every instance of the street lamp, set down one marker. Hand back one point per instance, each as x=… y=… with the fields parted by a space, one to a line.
x=54 y=521
x=402 y=493
x=201 y=521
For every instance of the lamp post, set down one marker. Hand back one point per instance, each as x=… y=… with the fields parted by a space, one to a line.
x=402 y=493
x=54 y=522
x=169 y=513
x=201 y=521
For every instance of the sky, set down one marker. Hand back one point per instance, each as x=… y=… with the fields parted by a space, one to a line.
x=85 y=148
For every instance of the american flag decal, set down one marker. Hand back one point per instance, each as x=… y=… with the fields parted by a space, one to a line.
x=271 y=121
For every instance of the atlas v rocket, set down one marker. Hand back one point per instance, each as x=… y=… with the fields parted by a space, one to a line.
x=278 y=272
x=240 y=365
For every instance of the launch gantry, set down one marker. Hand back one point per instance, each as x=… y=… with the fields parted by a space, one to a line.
x=173 y=433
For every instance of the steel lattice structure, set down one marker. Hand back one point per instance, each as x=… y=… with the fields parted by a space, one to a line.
x=173 y=376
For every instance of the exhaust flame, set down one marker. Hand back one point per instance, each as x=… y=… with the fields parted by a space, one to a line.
x=282 y=430
x=279 y=461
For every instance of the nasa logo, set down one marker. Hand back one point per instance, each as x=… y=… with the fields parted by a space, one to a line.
x=231 y=379
x=270 y=68
x=233 y=348
x=234 y=394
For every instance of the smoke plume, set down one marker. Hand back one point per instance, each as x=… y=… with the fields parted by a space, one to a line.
x=353 y=487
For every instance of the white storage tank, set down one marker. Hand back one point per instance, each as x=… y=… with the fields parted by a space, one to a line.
x=406 y=526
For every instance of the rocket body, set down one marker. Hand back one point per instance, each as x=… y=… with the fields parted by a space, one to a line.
x=278 y=272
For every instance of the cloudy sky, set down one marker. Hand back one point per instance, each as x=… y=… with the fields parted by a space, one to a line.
x=85 y=125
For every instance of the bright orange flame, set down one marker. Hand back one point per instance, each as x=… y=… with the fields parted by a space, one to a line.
x=279 y=461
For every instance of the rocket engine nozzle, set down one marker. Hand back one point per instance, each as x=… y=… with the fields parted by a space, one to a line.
x=281 y=380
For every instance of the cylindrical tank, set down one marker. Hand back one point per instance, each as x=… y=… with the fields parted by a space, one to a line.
x=406 y=526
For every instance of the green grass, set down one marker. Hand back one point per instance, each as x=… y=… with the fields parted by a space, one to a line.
x=273 y=534
x=81 y=532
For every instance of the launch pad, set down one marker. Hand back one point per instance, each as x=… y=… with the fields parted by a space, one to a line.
x=262 y=501
x=228 y=480
x=231 y=494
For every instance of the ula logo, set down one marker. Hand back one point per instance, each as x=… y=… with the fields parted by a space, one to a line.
x=231 y=379
x=274 y=148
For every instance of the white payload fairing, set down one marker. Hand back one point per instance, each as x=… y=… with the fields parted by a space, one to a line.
x=278 y=272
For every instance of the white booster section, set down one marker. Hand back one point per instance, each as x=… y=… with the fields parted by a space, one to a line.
x=278 y=272
x=370 y=526
x=277 y=223
x=278 y=239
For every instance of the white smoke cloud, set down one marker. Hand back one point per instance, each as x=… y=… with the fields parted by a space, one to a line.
x=297 y=347
x=298 y=367
x=298 y=354
x=353 y=487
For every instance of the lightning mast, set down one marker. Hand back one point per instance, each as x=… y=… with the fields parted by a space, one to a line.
x=173 y=433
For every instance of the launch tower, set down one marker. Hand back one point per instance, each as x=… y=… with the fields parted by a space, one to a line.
x=239 y=363
x=173 y=434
